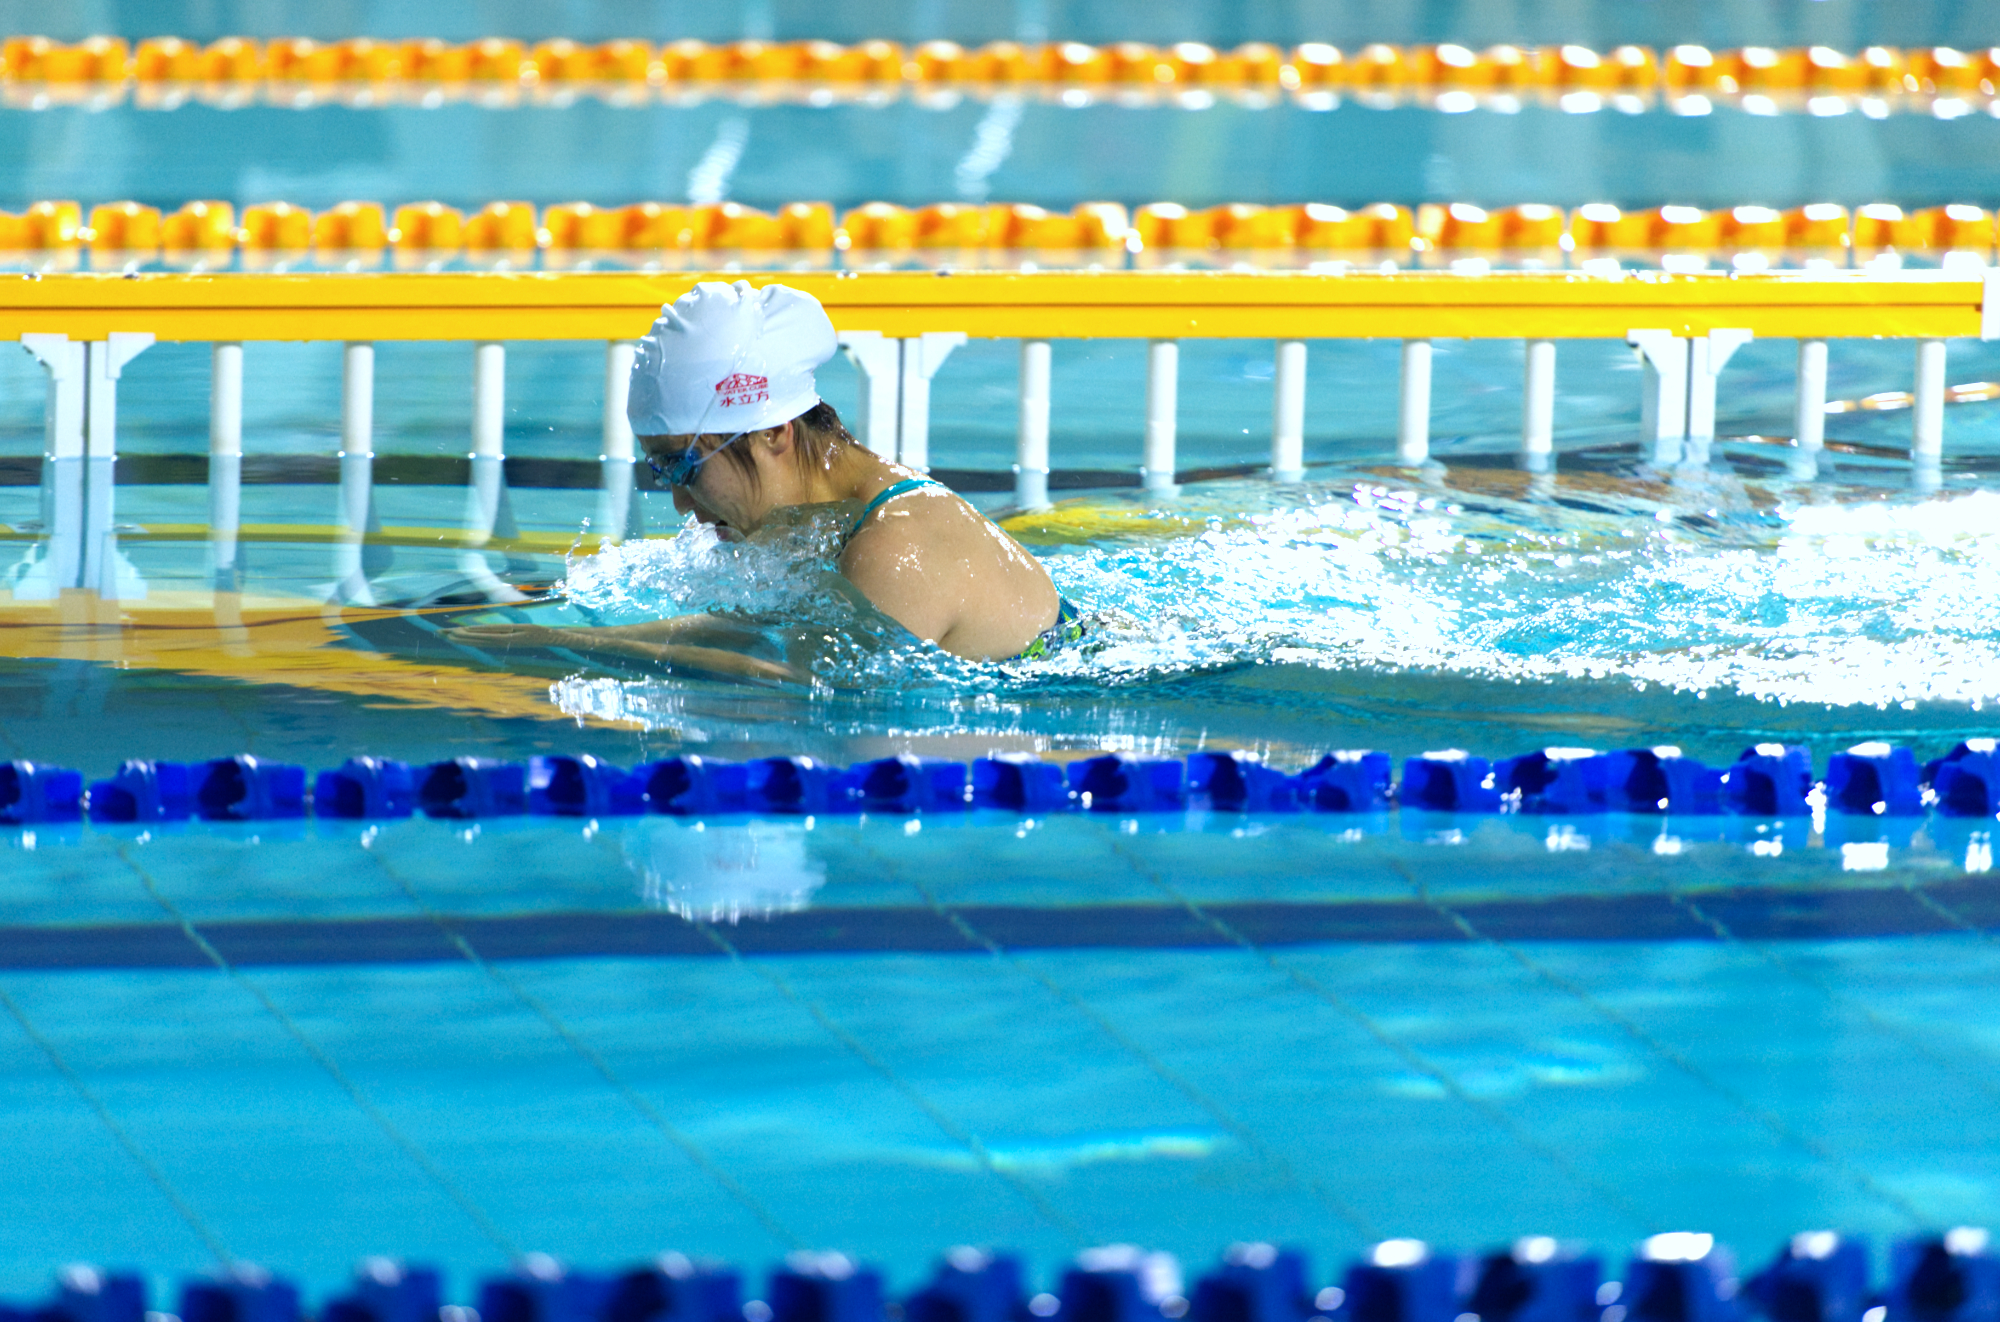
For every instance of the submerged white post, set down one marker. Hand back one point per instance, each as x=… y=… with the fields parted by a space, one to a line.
x=357 y=470
x=61 y=565
x=1927 y=424
x=880 y=362
x=105 y=568
x=1031 y=434
x=1413 y=412
x=487 y=496
x=1163 y=368
x=1538 y=402
x=225 y=462
x=1288 y=411
x=619 y=452
x=1809 y=415
x=922 y=356
x=1707 y=356
x=1663 y=409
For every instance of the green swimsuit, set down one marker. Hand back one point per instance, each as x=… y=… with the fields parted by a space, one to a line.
x=1068 y=627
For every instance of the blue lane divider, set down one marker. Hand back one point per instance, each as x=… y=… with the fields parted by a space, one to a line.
x=1347 y=781
x=1402 y=1280
x=472 y=787
x=245 y=789
x=1770 y=780
x=1818 y=1276
x=692 y=785
x=1869 y=780
x=30 y=792
x=1451 y=781
x=1254 y=1283
x=1659 y=780
x=824 y=1287
x=1966 y=780
x=387 y=1291
x=1019 y=783
x=1538 y=1280
x=971 y=1285
x=366 y=787
x=143 y=792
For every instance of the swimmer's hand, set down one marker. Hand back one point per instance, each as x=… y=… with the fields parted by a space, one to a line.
x=624 y=646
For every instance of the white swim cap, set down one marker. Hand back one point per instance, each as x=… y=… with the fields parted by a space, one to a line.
x=729 y=358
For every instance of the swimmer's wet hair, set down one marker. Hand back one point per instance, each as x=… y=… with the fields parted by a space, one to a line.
x=818 y=434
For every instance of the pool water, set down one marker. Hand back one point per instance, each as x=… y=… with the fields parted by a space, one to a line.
x=299 y=1043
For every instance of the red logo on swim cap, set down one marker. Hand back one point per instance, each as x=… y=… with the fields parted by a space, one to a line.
x=740 y=388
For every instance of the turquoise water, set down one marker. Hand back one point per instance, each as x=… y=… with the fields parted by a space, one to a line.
x=460 y=1042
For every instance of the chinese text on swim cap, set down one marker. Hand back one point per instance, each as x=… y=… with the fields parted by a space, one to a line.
x=739 y=389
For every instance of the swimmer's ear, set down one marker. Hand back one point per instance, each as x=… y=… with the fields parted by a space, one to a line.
x=777 y=441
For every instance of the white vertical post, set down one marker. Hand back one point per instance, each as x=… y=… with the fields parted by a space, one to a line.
x=880 y=362
x=1809 y=415
x=357 y=472
x=615 y=463
x=1288 y=411
x=357 y=399
x=104 y=363
x=63 y=421
x=105 y=569
x=618 y=358
x=1927 y=424
x=489 y=399
x=1031 y=435
x=1707 y=356
x=61 y=565
x=1663 y=412
x=1413 y=412
x=1163 y=367
x=922 y=355
x=1538 y=402
x=225 y=462
x=486 y=499
x=225 y=400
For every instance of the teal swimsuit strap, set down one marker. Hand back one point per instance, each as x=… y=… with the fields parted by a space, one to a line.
x=888 y=494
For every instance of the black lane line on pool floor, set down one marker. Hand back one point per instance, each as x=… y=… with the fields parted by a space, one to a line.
x=1787 y=915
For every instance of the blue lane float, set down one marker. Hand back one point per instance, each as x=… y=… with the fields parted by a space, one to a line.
x=1016 y=782
x=1817 y=1276
x=366 y=788
x=1966 y=781
x=473 y=787
x=1869 y=780
x=1450 y=781
x=31 y=794
x=143 y=792
x=248 y=789
x=1661 y=780
x=1770 y=780
x=1348 y=781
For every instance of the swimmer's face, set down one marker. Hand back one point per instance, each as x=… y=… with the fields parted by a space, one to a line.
x=720 y=494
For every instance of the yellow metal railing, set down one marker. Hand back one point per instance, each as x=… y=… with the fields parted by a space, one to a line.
x=898 y=327
x=493 y=306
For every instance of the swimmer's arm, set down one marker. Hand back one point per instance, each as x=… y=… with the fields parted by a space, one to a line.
x=691 y=630
x=621 y=644
x=900 y=578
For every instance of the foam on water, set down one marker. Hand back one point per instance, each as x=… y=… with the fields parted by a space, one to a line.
x=1776 y=594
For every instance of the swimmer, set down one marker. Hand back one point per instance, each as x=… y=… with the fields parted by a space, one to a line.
x=724 y=404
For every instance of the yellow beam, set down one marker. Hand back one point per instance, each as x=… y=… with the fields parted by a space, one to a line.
x=1060 y=304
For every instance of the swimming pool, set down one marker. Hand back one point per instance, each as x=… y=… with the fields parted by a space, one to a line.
x=297 y=1043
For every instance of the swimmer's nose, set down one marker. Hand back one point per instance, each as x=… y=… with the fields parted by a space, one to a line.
x=683 y=502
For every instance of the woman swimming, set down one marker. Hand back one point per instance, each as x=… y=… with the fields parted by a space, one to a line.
x=726 y=374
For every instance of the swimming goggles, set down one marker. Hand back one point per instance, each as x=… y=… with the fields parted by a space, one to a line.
x=678 y=469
